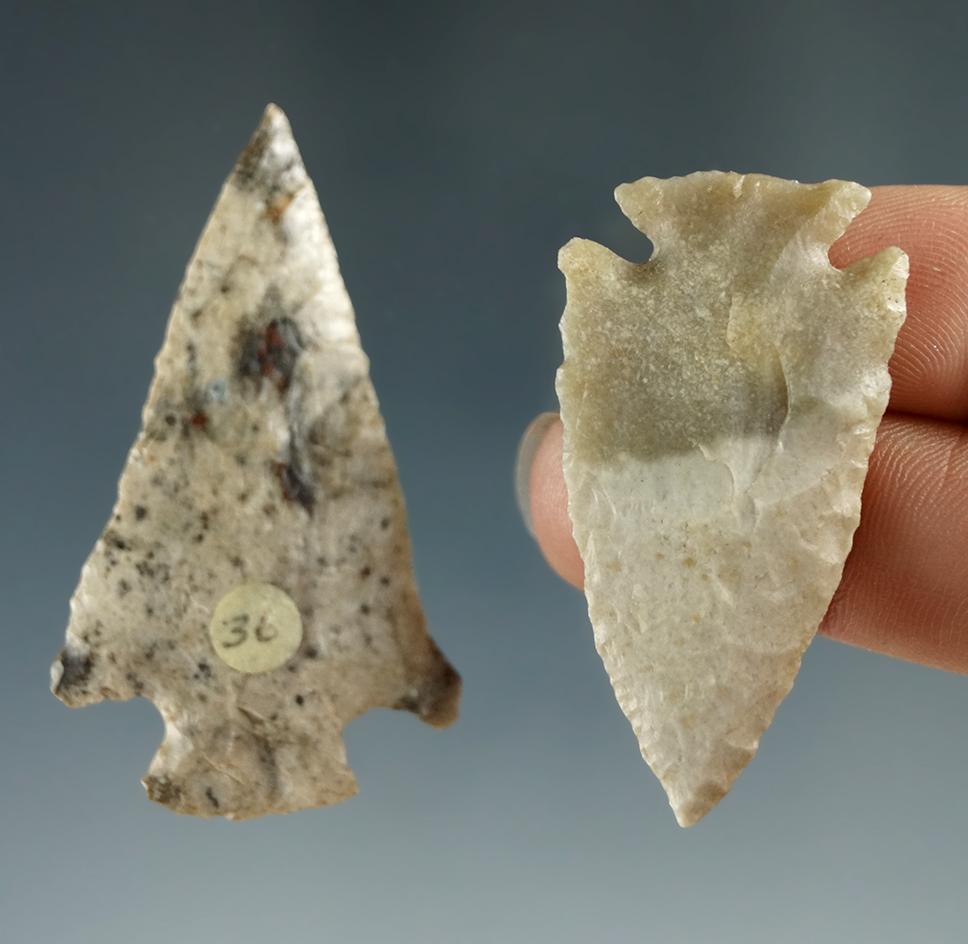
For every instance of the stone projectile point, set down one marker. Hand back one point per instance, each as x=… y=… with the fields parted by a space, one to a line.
x=719 y=405
x=255 y=578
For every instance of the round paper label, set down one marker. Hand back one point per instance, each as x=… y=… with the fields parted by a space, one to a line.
x=256 y=627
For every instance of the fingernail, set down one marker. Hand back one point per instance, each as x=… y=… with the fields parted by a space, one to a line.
x=528 y=446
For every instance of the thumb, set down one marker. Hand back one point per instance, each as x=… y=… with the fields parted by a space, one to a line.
x=542 y=498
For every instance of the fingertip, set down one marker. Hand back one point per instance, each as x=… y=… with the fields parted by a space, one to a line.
x=929 y=368
x=546 y=499
x=527 y=447
x=905 y=586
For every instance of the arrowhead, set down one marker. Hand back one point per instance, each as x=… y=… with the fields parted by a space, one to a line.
x=719 y=405
x=255 y=580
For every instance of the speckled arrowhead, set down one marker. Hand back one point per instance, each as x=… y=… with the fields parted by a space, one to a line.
x=719 y=405
x=262 y=460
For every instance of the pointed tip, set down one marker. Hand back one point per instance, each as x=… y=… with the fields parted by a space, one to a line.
x=70 y=675
x=641 y=201
x=692 y=809
x=584 y=257
x=438 y=702
x=56 y=674
x=688 y=816
x=631 y=191
x=696 y=788
x=891 y=263
x=274 y=119
x=569 y=252
x=271 y=151
x=837 y=203
x=644 y=188
x=620 y=192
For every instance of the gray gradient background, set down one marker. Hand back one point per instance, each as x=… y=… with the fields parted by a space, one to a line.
x=454 y=147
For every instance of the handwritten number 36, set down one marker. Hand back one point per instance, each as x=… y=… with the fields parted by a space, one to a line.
x=238 y=626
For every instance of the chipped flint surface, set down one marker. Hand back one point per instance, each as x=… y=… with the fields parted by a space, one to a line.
x=719 y=404
x=262 y=458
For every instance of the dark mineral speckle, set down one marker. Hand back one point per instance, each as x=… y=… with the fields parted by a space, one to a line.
x=113 y=539
x=277 y=207
x=249 y=165
x=406 y=703
x=295 y=484
x=162 y=790
x=77 y=669
x=267 y=757
x=270 y=350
